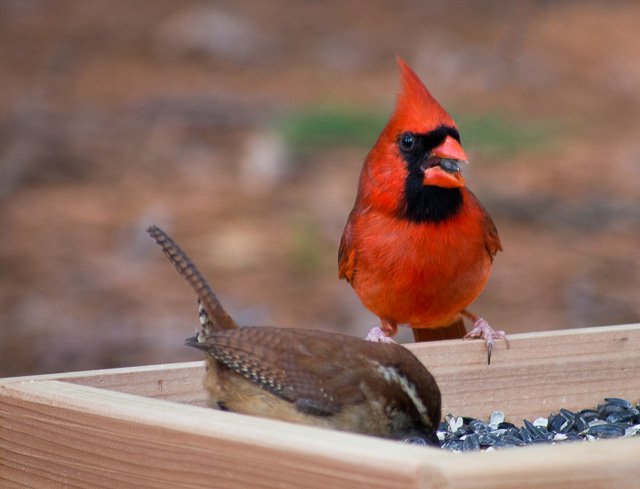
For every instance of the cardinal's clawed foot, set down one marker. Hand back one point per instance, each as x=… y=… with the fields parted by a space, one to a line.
x=481 y=329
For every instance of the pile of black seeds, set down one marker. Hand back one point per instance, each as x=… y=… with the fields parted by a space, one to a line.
x=615 y=418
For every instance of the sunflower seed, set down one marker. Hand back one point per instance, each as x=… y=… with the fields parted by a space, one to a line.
x=618 y=402
x=471 y=443
x=497 y=417
x=606 y=431
x=623 y=417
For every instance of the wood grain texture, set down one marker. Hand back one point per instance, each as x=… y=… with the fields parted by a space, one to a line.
x=75 y=430
x=59 y=434
x=179 y=382
x=538 y=374
x=86 y=437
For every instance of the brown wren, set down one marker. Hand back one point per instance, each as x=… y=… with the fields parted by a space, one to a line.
x=310 y=377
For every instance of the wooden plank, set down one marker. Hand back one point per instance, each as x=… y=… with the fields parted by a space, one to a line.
x=56 y=434
x=178 y=382
x=538 y=374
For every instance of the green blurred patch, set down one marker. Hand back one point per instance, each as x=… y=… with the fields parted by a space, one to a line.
x=494 y=134
x=308 y=247
x=317 y=127
x=314 y=128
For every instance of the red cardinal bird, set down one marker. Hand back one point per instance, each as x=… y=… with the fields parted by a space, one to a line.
x=418 y=245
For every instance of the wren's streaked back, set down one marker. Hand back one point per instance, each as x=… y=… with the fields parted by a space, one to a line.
x=309 y=377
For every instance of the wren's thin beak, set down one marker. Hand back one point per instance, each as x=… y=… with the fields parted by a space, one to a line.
x=442 y=169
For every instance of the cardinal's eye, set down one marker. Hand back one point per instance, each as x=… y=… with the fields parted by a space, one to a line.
x=407 y=141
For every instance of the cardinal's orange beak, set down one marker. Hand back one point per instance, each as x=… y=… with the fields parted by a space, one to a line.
x=444 y=170
x=450 y=149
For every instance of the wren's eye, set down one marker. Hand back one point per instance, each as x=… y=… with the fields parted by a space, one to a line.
x=407 y=141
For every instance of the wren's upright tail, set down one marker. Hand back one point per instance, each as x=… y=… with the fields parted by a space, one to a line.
x=454 y=331
x=212 y=314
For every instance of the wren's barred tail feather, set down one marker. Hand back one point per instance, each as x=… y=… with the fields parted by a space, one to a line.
x=212 y=314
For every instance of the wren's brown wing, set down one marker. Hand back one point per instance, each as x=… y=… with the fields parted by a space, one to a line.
x=312 y=369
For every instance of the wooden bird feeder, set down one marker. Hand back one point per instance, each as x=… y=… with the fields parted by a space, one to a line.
x=146 y=426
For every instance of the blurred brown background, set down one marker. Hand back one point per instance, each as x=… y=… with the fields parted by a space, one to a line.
x=241 y=126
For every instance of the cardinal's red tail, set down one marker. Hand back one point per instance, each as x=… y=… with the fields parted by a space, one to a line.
x=452 y=332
